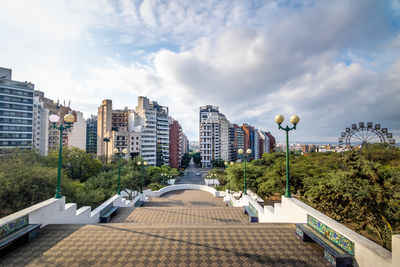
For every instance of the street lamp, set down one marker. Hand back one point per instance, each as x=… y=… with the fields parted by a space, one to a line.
x=245 y=156
x=226 y=166
x=294 y=120
x=139 y=163
x=119 y=156
x=69 y=119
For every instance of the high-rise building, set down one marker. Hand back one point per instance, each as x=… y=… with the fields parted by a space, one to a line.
x=272 y=142
x=162 y=128
x=264 y=143
x=210 y=134
x=144 y=131
x=76 y=136
x=91 y=135
x=40 y=127
x=175 y=133
x=104 y=122
x=249 y=139
x=16 y=111
x=148 y=123
x=224 y=128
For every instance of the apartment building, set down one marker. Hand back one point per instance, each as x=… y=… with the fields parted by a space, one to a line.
x=210 y=134
x=91 y=135
x=16 y=112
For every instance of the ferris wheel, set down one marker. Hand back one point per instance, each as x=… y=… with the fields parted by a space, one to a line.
x=361 y=135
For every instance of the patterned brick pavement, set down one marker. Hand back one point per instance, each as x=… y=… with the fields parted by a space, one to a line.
x=165 y=242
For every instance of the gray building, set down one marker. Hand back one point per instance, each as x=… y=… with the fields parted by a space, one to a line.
x=91 y=135
x=16 y=111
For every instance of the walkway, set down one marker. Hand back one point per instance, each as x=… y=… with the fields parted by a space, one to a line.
x=182 y=228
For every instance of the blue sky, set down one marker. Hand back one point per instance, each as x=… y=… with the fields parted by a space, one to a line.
x=333 y=63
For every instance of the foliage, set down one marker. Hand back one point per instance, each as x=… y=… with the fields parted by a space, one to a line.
x=155 y=186
x=361 y=189
x=27 y=178
x=196 y=158
x=185 y=160
x=218 y=163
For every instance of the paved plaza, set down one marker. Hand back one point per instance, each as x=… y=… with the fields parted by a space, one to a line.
x=181 y=228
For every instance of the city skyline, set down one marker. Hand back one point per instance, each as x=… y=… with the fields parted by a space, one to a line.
x=253 y=61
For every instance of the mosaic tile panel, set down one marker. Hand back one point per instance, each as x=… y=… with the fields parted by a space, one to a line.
x=13 y=226
x=336 y=238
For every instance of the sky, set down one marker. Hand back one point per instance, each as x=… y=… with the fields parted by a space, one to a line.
x=333 y=63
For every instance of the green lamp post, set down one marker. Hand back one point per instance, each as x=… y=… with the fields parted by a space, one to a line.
x=294 y=120
x=245 y=156
x=226 y=166
x=119 y=156
x=141 y=166
x=69 y=119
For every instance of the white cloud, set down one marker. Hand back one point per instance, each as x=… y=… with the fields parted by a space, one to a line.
x=327 y=61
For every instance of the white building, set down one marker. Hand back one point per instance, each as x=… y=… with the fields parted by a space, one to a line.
x=224 y=127
x=210 y=146
x=147 y=120
x=77 y=134
x=40 y=127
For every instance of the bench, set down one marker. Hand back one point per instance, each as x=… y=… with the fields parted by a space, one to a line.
x=252 y=212
x=108 y=212
x=338 y=250
x=17 y=232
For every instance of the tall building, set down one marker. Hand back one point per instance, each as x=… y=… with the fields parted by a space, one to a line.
x=144 y=131
x=76 y=136
x=91 y=135
x=16 y=111
x=40 y=126
x=210 y=133
x=162 y=128
x=249 y=139
x=147 y=120
x=224 y=128
x=264 y=143
x=104 y=115
x=175 y=132
x=272 y=141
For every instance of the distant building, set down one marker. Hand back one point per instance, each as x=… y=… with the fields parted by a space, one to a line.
x=91 y=135
x=16 y=112
x=175 y=133
x=210 y=134
x=40 y=127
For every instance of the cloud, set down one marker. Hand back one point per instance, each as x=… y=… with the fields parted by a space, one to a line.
x=334 y=63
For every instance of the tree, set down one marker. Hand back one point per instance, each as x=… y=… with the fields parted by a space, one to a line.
x=197 y=159
x=218 y=163
x=77 y=163
x=185 y=160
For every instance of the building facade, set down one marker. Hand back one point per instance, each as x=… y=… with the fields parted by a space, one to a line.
x=16 y=112
x=91 y=135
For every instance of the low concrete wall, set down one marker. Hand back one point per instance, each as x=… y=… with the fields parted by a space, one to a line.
x=55 y=211
x=183 y=187
x=291 y=210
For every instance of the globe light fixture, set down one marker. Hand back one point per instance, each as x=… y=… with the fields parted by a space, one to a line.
x=54 y=119
x=279 y=119
x=294 y=120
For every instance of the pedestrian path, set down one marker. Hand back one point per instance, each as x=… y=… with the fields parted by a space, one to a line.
x=181 y=228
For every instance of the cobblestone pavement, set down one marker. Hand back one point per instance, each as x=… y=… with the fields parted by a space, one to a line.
x=195 y=239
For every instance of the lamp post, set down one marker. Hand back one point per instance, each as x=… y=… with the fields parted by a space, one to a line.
x=119 y=156
x=141 y=166
x=69 y=119
x=245 y=156
x=226 y=166
x=294 y=120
